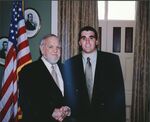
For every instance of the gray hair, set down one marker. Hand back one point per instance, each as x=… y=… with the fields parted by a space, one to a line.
x=47 y=36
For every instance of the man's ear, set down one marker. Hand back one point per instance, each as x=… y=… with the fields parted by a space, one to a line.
x=41 y=49
x=97 y=42
x=79 y=43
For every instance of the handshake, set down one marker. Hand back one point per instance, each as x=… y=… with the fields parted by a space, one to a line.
x=60 y=114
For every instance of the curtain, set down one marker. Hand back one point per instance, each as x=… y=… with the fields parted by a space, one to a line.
x=72 y=15
x=141 y=75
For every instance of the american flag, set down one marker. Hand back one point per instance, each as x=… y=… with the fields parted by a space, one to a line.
x=18 y=55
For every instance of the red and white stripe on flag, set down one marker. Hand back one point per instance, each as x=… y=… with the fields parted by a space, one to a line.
x=18 y=55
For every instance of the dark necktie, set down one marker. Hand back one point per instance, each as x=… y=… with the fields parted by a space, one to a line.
x=54 y=75
x=88 y=75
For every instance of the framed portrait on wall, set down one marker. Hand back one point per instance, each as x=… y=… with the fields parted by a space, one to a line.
x=32 y=22
x=3 y=49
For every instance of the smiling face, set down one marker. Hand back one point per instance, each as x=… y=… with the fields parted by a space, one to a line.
x=88 y=41
x=50 y=49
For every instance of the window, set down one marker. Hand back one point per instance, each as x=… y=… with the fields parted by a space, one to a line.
x=116 y=10
x=101 y=10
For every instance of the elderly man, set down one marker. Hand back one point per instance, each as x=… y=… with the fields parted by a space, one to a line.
x=41 y=85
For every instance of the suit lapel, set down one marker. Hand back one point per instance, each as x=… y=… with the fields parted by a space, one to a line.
x=50 y=81
x=83 y=80
x=81 y=71
x=98 y=73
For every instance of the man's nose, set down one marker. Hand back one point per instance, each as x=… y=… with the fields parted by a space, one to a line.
x=87 y=40
x=55 y=49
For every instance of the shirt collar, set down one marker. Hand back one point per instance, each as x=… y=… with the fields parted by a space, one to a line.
x=92 y=55
x=46 y=62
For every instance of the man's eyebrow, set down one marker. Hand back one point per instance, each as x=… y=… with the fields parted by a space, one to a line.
x=92 y=36
x=82 y=36
x=85 y=36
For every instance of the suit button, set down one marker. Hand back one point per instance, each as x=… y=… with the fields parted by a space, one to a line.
x=77 y=90
x=102 y=104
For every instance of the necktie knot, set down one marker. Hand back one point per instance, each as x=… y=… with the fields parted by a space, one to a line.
x=53 y=67
x=88 y=61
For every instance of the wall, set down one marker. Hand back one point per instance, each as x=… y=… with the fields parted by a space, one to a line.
x=43 y=7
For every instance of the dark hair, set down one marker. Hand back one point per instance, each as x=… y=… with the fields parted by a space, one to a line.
x=5 y=42
x=30 y=14
x=87 y=28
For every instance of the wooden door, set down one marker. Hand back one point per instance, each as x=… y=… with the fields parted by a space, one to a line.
x=118 y=37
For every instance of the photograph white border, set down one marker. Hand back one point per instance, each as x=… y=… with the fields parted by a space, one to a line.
x=2 y=39
x=36 y=21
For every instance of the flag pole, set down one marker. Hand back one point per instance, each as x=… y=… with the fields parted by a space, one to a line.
x=20 y=114
x=23 y=7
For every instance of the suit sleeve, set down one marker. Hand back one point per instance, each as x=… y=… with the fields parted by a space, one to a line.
x=118 y=95
x=24 y=99
x=31 y=104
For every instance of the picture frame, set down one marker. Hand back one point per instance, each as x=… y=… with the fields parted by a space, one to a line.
x=3 y=49
x=32 y=22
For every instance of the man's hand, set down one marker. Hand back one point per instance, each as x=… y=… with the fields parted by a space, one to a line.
x=60 y=113
x=66 y=110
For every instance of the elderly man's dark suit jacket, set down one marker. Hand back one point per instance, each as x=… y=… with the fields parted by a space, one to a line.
x=39 y=94
x=108 y=100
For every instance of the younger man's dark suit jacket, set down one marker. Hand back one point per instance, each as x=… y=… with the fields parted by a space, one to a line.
x=39 y=95
x=108 y=99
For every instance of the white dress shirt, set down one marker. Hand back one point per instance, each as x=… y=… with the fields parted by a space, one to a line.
x=60 y=80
